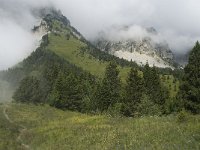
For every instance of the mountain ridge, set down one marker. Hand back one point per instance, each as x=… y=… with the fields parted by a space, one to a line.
x=140 y=49
x=63 y=47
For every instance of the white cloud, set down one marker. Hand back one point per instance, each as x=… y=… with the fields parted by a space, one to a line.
x=176 y=21
x=15 y=44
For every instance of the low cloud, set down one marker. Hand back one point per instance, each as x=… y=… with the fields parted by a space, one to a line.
x=176 y=21
x=15 y=43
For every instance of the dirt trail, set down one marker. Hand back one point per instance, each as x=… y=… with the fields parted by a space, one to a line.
x=22 y=129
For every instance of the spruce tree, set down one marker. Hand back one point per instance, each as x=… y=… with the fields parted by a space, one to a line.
x=29 y=91
x=157 y=94
x=190 y=89
x=67 y=93
x=108 y=93
x=133 y=93
x=57 y=96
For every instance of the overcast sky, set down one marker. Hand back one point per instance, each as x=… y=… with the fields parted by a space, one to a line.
x=176 y=21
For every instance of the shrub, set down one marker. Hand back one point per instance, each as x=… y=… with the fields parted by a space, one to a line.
x=147 y=107
x=182 y=116
x=115 y=111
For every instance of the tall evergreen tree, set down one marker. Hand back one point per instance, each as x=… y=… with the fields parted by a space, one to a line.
x=133 y=93
x=154 y=89
x=29 y=91
x=67 y=93
x=108 y=93
x=190 y=89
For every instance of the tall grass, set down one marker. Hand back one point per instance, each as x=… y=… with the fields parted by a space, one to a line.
x=49 y=128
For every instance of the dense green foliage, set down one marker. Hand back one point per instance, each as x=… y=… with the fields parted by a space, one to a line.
x=67 y=93
x=134 y=91
x=51 y=79
x=60 y=72
x=29 y=91
x=190 y=88
x=153 y=85
x=144 y=95
x=108 y=92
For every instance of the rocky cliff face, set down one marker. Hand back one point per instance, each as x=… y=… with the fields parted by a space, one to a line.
x=141 y=50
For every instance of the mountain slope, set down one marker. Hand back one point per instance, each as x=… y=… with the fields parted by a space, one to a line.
x=69 y=44
x=65 y=48
x=70 y=50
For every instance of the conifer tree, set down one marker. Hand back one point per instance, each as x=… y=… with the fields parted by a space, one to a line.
x=108 y=92
x=67 y=93
x=133 y=93
x=29 y=91
x=57 y=95
x=190 y=89
x=154 y=89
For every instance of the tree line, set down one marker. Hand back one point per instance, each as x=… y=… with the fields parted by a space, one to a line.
x=65 y=86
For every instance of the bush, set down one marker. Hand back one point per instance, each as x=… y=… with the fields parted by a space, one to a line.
x=29 y=91
x=115 y=111
x=182 y=116
x=147 y=107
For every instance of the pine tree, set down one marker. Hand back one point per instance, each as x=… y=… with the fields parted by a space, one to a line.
x=190 y=88
x=57 y=96
x=133 y=93
x=29 y=91
x=108 y=93
x=67 y=93
x=157 y=94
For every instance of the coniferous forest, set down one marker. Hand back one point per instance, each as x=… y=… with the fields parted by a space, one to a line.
x=65 y=86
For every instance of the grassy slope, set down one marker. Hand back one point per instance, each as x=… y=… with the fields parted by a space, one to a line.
x=70 y=50
x=49 y=128
x=8 y=133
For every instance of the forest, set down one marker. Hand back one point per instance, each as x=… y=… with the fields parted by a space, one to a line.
x=63 y=85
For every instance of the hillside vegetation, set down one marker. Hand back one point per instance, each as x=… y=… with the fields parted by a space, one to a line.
x=81 y=54
x=70 y=95
x=69 y=73
x=50 y=128
x=70 y=50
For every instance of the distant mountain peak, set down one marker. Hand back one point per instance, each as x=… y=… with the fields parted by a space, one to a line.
x=140 y=50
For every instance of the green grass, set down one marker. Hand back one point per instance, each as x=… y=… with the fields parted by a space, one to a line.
x=8 y=133
x=49 y=128
x=70 y=50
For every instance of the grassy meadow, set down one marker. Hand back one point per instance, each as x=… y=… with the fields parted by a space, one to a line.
x=50 y=129
x=70 y=50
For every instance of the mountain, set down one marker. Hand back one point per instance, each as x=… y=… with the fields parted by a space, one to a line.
x=63 y=52
x=140 y=50
x=60 y=48
x=182 y=58
x=67 y=43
